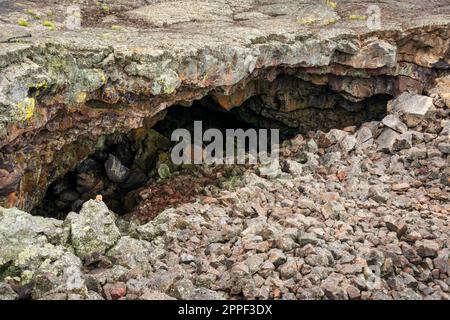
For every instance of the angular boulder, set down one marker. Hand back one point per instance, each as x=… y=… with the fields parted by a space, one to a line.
x=93 y=230
x=19 y=230
x=412 y=108
x=443 y=87
x=387 y=139
x=33 y=253
x=393 y=122
x=115 y=170
x=131 y=253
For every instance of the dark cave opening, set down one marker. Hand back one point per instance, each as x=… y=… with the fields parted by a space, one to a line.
x=125 y=163
x=138 y=155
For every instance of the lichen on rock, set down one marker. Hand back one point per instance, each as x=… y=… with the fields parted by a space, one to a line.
x=93 y=230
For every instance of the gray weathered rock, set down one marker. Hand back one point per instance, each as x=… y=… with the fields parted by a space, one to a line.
x=293 y=167
x=347 y=144
x=413 y=108
x=444 y=147
x=393 y=122
x=402 y=142
x=20 y=230
x=155 y=295
x=93 y=230
x=131 y=253
x=427 y=248
x=364 y=136
x=7 y=293
x=115 y=170
x=387 y=139
x=289 y=269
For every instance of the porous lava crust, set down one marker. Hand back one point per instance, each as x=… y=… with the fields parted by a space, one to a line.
x=356 y=212
x=61 y=90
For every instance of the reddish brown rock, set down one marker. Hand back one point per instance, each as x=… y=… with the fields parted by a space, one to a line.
x=115 y=291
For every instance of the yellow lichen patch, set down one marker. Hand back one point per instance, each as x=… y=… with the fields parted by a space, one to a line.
x=103 y=78
x=205 y=77
x=24 y=256
x=104 y=7
x=42 y=85
x=26 y=277
x=357 y=17
x=105 y=36
x=307 y=21
x=331 y=4
x=169 y=89
x=330 y=21
x=26 y=108
x=80 y=97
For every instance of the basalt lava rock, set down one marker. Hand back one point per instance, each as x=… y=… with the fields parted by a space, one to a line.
x=93 y=230
x=115 y=170
x=62 y=92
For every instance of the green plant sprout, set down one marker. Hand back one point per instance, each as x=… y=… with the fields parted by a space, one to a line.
x=23 y=22
x=32 y=14
x=50 y=25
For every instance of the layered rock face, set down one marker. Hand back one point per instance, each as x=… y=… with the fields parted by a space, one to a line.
x=61 y=90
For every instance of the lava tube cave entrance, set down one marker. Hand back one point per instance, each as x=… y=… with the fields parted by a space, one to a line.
x=127 y=168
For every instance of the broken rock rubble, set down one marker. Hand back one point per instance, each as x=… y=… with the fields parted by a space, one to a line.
x=342 y=219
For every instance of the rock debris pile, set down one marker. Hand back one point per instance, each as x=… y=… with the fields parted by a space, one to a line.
x=359 y=213
x=357 y=207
